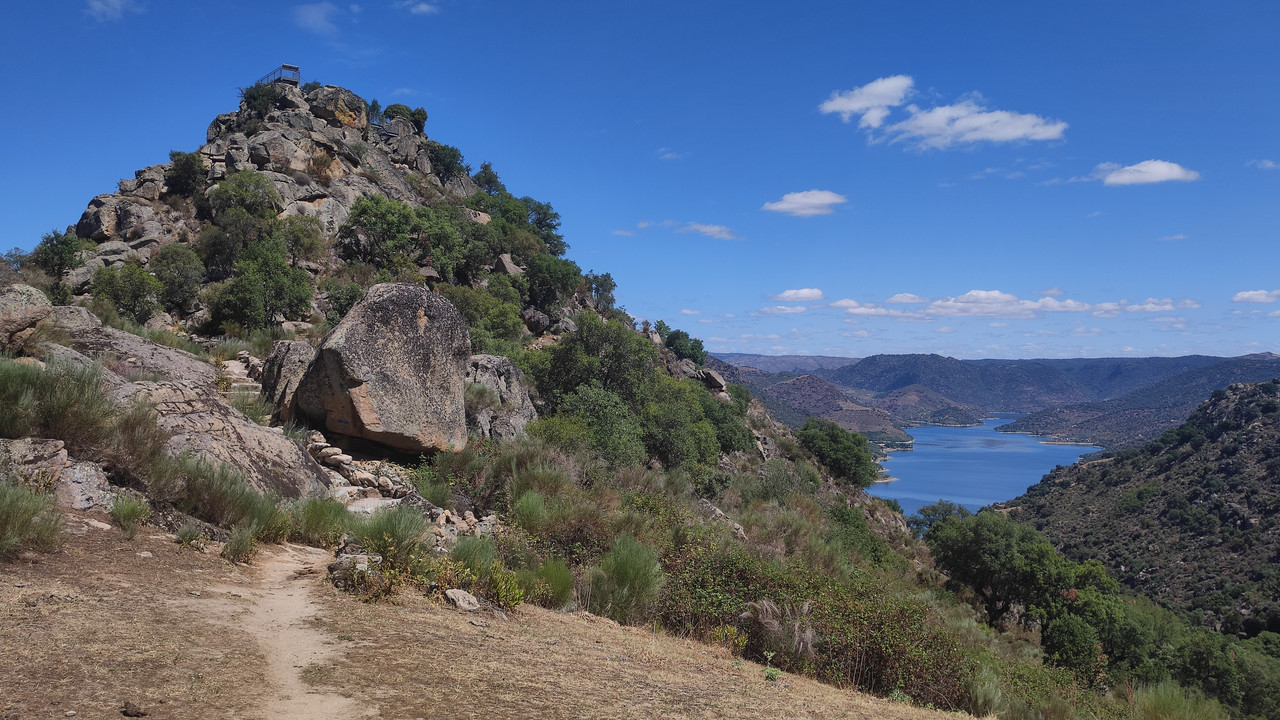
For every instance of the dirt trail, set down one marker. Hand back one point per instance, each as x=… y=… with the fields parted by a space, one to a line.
x=282 y=600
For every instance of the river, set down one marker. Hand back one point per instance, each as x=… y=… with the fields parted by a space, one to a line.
x=973 y=466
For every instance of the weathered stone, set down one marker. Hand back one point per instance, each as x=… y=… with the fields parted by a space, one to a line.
x=89 y=337
x=504 y=265
x=713 y=380
x=159 y=321
x=564 y=325
x=339 y=106
x=536 y=320
x=514 y=410
x=83 y=486
x=282 y=371
x=429 y=274
x=484 y=219
x=392 y=372
x=199 y=421
x=21 y=307
x=463 y=600
x=272 y=151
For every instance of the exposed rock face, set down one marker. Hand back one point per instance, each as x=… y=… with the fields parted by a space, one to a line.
x=199 y=421
x=125 y=351
x=514 y=410
x=44 y=464
x=281 y=373
x=392 y=372
x=536 y=320
x=339 y=106
x=21 y=307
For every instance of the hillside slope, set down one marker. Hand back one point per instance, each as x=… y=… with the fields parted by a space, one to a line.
x=1141 y=415
x=1192 y=520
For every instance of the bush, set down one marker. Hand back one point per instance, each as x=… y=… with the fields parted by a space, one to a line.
x=186 y=174
x=241 y=546
x=191 y=535
x=551 y=279
x=394 y=533
x=844 y=453
x=128 y=512
x=180 y=272
x=131 y=289
x=1168 y=701
x=446 y=161
x=686 y=347
x=343 y=295
x=418 y=116
x=265 y=287
x=26 y=520
x=56 y=253
x=301 y=236
x=247 y=190
x=557 y=579
x=319 y=522
x=627 y=581
x=261 y=98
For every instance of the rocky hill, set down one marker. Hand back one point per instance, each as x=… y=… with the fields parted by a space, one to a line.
x=1191 y=519
x=797 y=364
x=818 y=398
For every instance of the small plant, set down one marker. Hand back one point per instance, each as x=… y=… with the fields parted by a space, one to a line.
x=627 y=581
x=26 y=520
x=241 y=546
x=319 y=522
x=396 y=534
x=128 y=512
x=191 y=536
x=253 y=405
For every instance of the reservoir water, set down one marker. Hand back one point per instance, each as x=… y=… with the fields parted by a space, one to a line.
x=972 y=466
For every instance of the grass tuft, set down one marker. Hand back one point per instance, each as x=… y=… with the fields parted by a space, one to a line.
x=129 y=512
x=27 y=520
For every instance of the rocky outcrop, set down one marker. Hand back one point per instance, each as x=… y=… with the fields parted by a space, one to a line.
x=392 y=372
x=511 y=409
x=21 y=307
x=44 y=465
x=282 y=371
x=199 y=421
x=123 y=351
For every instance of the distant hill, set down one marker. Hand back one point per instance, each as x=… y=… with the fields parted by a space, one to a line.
x=1143 y=414
x=817 y=397
x=992 y=385
x=796 y=364
x=1192 y=519
x=918 y=405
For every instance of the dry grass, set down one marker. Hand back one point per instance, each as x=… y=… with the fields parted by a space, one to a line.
x=95 y=624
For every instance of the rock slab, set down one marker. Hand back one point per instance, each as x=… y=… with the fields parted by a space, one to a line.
x=392 y=372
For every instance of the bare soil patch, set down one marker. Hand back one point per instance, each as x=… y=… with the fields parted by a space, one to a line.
x=185 y=634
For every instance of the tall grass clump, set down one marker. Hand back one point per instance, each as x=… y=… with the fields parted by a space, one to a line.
x=394 y=533
x=252 y=404
x=26 y=520
x=529 y=511
x=1169 y=701
x=626 y=583
x=319 y=522
x=129 y=512
x=549 y=584
x=62 y=401
x=241 y=546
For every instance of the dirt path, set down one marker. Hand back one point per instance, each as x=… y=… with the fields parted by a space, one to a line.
x=281 y=601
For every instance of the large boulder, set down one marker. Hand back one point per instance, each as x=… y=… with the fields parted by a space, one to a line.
x=393 y=372
x=510 y=409
x=21 y=307
x=339 y=106
x=282 y=371
x=201 y=422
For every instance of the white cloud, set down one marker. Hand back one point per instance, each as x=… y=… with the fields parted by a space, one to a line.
x=624 y=233
x=1264 y=164
x=419 y=8
x=807 y=203
x=687 y=311
x=1175 y=238
x=968 y=122
x=1177 y=323
x=1153 y=305
x=906 y=299
x=643 y=224
x=994 y=303
x=404 y=91
x=945 y=330
x=1144 y=173
x=1054 y=291
x=720 y=232
x=669 y=154
x=998 y=324
x=1108 y=309
x=800 y=295
x=316 y=17
x=106 y=10
x=872 y=101
x=782 y=309
x=1086 y=332
x=1256 y=296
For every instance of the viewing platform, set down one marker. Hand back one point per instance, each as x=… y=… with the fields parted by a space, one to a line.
x=287 y=74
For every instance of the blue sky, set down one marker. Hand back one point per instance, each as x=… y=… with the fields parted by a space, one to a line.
x=996 y=179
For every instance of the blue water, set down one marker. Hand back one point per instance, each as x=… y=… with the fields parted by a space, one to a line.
x=973 y=466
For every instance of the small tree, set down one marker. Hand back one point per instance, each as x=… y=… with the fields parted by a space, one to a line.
x=844 y=453
x=56 y=253
x=686 y=347
x=179 y=271
x=186 y=173
x=249 y=190
x=301 y=236
x=261 y=98
x=446 y=161
x=551 y=278
x=131 y=289
x=417 y=116
x=488 y=181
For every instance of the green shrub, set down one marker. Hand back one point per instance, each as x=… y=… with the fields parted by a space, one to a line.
x=446 y=161
x=846 y=454
x=186 y=174
x=56 y=253
x=418 y=116
x=529 y=511
x=191 y=535
x=476 y=553
x=27 y=520
x=128 y=512
x=557 y=579
x=343 y=295
x=567 y=432
x=319 y=522
x=626 y=583
x=241 y=545
x=301 y=236
x=252 y=404
x=178 y=269
x=394 y=533
x=261 y=98
x=1168 y=701
x=131 y=289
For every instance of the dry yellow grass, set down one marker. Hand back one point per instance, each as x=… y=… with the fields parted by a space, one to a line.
x=95 y=624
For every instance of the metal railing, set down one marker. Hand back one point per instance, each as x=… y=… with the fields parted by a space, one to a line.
x=287 y=74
